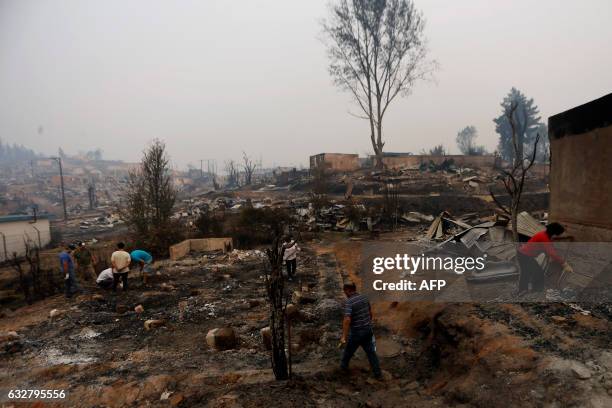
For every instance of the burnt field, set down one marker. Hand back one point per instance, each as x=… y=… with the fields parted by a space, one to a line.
x=98 y=349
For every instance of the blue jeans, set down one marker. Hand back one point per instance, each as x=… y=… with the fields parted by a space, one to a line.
x=71 y=284
x=365 y=339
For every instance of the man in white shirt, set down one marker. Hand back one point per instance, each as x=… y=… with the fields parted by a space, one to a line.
x=290 y=256
x=120 y=261
x=105 y=279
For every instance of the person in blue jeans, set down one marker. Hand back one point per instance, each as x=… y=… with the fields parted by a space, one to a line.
x=67 y=268
x=357 y=329
x=144 y=261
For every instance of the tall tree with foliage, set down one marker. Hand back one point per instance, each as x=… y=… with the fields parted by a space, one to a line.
x=15 y=154
x=377 y=51
x=527 y=122
x=148 y=201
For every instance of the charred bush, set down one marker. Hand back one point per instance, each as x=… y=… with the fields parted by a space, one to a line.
x=208 y=225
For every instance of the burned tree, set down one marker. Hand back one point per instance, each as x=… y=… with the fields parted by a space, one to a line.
x=232 y=173
x=377 y=51
x=275 y=286
x=514 y=178
x=466 y=142
x=437 y=150
x=149 y=197
x=248 y=166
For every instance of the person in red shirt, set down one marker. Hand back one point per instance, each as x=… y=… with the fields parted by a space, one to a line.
x=540 y=243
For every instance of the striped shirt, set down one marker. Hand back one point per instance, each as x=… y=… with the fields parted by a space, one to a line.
x=357 y=307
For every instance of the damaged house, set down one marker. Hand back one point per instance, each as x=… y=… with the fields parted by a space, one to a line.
x=581 y=170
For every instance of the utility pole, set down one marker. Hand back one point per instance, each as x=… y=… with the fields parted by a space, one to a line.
x=59 y=161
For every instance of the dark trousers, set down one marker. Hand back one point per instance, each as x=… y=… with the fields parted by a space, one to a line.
x=71 y=284
x=123 y=277
x=365 y=339
x=291 y=266
x=106 y=284
x=530 y=272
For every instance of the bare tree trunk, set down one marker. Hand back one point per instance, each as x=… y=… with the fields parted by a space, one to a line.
x=275 y=284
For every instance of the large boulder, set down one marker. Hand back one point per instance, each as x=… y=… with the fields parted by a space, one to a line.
x=223 y=338
x=266 y=337
x=152 y=324
x=292 y=311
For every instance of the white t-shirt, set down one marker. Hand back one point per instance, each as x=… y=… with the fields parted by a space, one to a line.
x=122 y=260
x=106 y=274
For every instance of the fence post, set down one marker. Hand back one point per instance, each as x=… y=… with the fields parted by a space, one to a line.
x=4 y=246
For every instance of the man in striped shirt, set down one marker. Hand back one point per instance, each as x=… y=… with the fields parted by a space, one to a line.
x=357 y=329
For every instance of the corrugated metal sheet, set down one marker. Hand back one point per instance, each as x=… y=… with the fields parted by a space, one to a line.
x=526 y=225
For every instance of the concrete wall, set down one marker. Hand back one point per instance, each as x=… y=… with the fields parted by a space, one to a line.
x=202 y=245
x=335 y=161
x=581 y=184
x=13 y=234
x=459 y=160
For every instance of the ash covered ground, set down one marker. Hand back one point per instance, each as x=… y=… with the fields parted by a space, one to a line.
x=97 y=348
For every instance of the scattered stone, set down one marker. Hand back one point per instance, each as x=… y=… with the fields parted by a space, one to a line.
x=580 y=371
x=152 y=324
x=166 y=287
x=55 y=313
x=292 y=311
x=99 y=298
x=121 y=309
x=176 y=400
x=266 y=337
x=139 y=309
x=558 y=319
x=8 y=336
x=223 y=338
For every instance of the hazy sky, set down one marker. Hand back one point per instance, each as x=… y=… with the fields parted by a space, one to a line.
x=214 y=78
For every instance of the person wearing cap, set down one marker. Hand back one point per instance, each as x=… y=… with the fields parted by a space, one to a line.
x=67 y=268
x=120 y=261
x=85 y=261
x=357 y=329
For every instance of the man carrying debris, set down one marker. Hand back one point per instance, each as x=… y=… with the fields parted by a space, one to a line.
x=67 y=267
x=120 y=261
x=531 y=271
x=357 y=329
x=84 y=263
x=144 y=261
x=105 y=279
x=290 y=256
